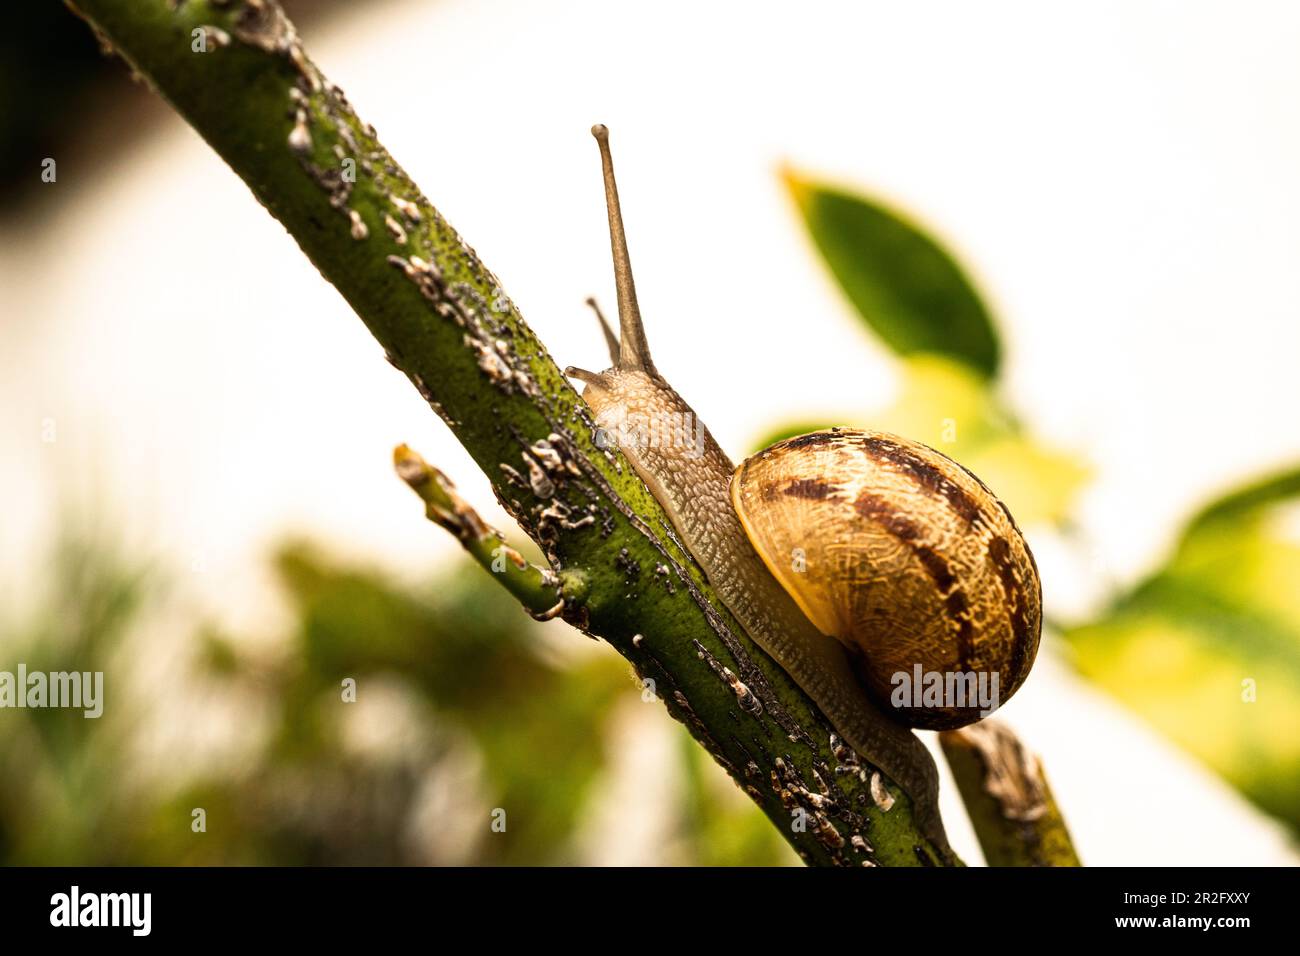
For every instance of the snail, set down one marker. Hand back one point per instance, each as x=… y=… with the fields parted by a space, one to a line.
x=849 y=556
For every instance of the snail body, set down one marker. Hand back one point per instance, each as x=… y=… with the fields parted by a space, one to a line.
x=847 y=556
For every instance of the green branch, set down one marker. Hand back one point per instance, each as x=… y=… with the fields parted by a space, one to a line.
x=1006 y=794
x=539 y=590
x=444 y=320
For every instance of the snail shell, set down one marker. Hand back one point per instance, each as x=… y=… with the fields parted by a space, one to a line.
x=902 y=555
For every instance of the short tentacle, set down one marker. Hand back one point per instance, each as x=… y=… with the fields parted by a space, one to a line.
x=582 y=375
x=611 y=338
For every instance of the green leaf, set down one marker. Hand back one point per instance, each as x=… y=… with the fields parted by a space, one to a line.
x=1244 y=504
x=903 y=283
x=1208 y=647
x=1218 y=677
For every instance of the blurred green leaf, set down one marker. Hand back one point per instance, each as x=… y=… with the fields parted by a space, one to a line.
x=718 y=824
x=1038 y=483
x=1208 y=647
x=903 y=283
x=63 y=796
x=1248 y=503
x=1245 y=547
x=464 y=705
x=476 y=661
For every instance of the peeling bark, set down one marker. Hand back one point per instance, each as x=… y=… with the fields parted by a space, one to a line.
x=1011 y=807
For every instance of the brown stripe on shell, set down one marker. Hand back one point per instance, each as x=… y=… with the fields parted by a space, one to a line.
x=924 y=474
x=813 y=489
x=1017 y=605
x=811 y=440
x=877 y=509
x=936 y=566
x=959 y=610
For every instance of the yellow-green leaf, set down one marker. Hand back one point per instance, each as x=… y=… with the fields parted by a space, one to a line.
x=1208 y=647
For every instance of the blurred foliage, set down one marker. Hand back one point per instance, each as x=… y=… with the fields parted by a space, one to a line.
x=903 y=283
x=460 y=709
x=62 y=795
x=714 y=822
x=1207 y=647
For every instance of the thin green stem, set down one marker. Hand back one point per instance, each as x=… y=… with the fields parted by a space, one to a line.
x=1006 y=794
x=538 y=589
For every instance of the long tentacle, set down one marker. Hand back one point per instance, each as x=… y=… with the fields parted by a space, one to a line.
x=634 y=352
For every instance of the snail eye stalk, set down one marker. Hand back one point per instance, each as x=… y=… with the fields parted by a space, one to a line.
x=633 y=352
